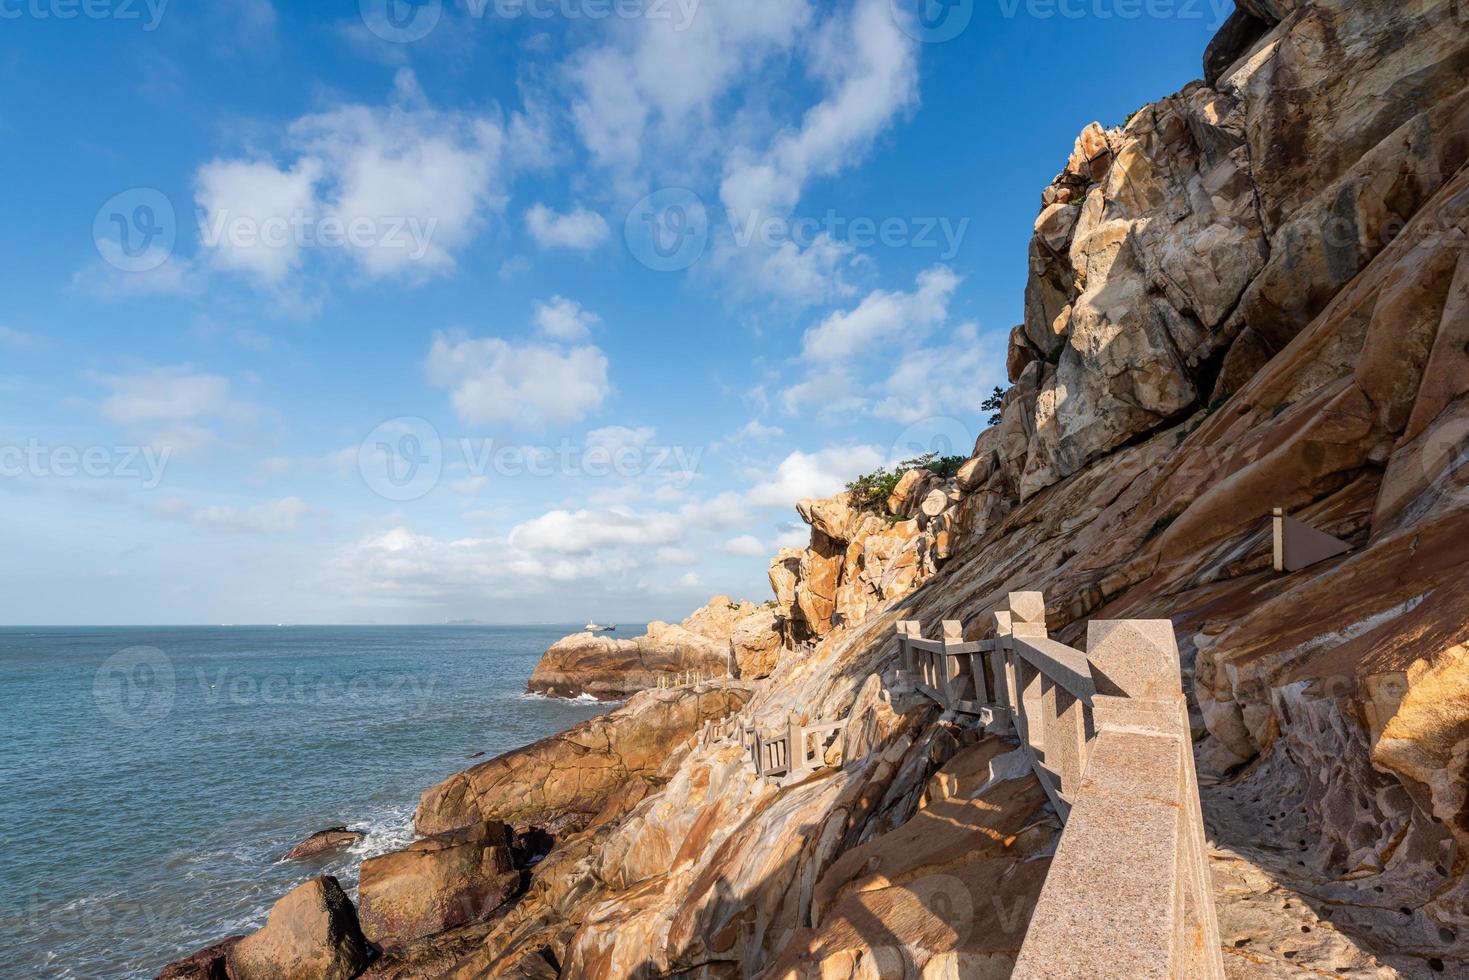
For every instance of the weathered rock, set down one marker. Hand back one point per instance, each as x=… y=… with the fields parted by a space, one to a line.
x=311 y=934
x=832 y=516
x=322 y=841
x=560 y=783
x=910 y=489
x=610 y=669
x=207 y=964
x=437 y=883
x=756 y=645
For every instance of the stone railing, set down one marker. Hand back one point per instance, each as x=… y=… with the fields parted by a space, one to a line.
x=797 y=750
x=682 y=678
x=1128 y=893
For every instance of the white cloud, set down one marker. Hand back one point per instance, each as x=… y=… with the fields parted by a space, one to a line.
x=581 y=229
x=253 y=193
x=654 y=88
x=112 y=275
x=165 y=394
x=953 y=379
x=534 y=385
x=577 y=532
x=271 y=517
x=746 y=545
x=400 y=565
x=833 y=390
x=676 y=556
x=870 y=70
x=564 y=319
x=174 y=407
x=821 y=474
x=399 y=188
x=754 y=431
x=883 y=316
x=721 y=512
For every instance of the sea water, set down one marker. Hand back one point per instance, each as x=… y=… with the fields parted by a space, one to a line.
x=151 y=778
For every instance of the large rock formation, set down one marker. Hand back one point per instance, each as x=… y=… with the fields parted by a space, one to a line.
x=610 y=669
x=560 y=783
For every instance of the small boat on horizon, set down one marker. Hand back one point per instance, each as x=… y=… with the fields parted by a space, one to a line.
x=594 y=628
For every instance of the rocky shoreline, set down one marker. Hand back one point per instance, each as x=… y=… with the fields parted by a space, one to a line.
x=1201 y=345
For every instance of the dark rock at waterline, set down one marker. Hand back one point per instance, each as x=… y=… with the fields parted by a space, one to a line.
x=330 y=839
x=207 y=964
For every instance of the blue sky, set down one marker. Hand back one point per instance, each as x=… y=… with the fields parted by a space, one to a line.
x=518 y=311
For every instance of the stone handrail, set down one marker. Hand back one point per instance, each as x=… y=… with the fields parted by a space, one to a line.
x=797 y=750
x=1128 y=893
x=682 y=678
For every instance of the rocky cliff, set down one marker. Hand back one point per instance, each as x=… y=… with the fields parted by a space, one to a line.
x=1255 y=294
x=723 y=639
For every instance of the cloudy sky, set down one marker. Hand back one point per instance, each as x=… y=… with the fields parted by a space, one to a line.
x=516 y=310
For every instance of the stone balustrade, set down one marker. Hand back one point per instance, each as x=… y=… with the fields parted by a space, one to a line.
x=797 y=750
x=682 y=678
x=1128 y=894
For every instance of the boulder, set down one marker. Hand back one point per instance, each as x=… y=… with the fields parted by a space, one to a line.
x=437 y=883
x=311 y=934
x=785 y=572
x=322 y=841
x=832 y=516
x=910 y=489
x=756 y=645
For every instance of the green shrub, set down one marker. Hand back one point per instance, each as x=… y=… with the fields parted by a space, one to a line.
x=872 y=490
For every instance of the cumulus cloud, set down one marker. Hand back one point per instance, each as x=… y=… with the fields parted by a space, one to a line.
x=401 y=565
x=562 y=319
x=581 y=230
x=883 y=316
x=948 y=379
x=722 y=512
x=819 y=474
x=492 y=380
x=399 y=188
x=746 y=545
x=175 y=407
x=652 y=89
x=869 y=68
x=271 y=517
x=578 y=532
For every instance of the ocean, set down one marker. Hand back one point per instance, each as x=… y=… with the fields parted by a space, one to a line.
x=152 y=777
